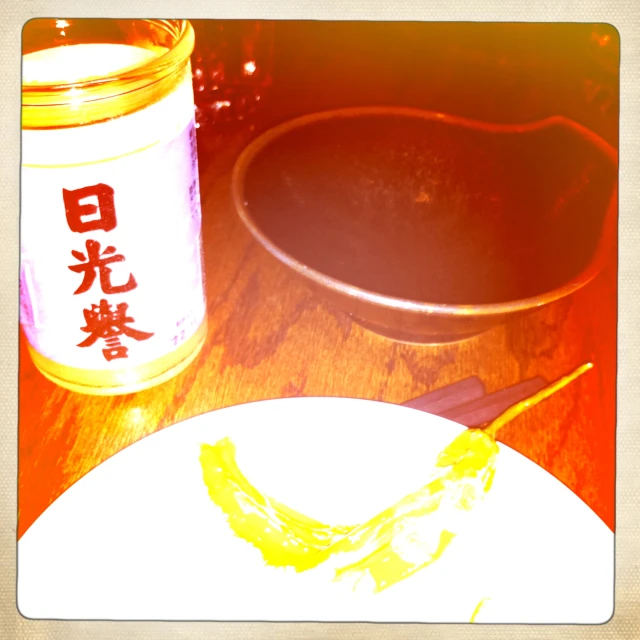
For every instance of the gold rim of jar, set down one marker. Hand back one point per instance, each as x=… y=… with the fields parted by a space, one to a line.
x=50 y=106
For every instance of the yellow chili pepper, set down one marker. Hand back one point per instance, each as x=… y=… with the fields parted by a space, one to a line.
x=393 y=545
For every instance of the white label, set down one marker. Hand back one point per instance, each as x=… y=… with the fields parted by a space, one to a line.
x=111 y=269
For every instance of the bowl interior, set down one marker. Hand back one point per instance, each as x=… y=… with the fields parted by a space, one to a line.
x=427 y=210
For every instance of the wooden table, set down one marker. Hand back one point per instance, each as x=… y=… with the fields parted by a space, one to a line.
x=270 y=337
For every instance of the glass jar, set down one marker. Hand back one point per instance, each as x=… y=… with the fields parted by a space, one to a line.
x=232 y=69
x=111 y=282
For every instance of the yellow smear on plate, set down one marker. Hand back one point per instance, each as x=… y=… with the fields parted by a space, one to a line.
x=477 y=609
x=284 y=536
x=393 y=545
x=388 y=548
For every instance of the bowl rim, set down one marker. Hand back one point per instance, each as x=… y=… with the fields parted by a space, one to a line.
x=591 y=270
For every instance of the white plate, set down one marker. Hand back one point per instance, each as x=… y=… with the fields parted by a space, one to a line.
x=139 y=538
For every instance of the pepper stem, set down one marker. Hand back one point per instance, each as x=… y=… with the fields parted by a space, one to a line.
x=541 y=395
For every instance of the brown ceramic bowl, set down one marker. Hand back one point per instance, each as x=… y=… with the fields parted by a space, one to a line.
x=430 y=228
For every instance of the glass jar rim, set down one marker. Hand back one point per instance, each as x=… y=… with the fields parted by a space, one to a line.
x=147 y=77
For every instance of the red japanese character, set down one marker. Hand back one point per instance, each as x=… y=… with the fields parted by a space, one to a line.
x=108 y=324
x=82 y=217
x=96 y=261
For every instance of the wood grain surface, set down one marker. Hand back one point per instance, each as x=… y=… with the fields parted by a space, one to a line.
x=269 y=336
